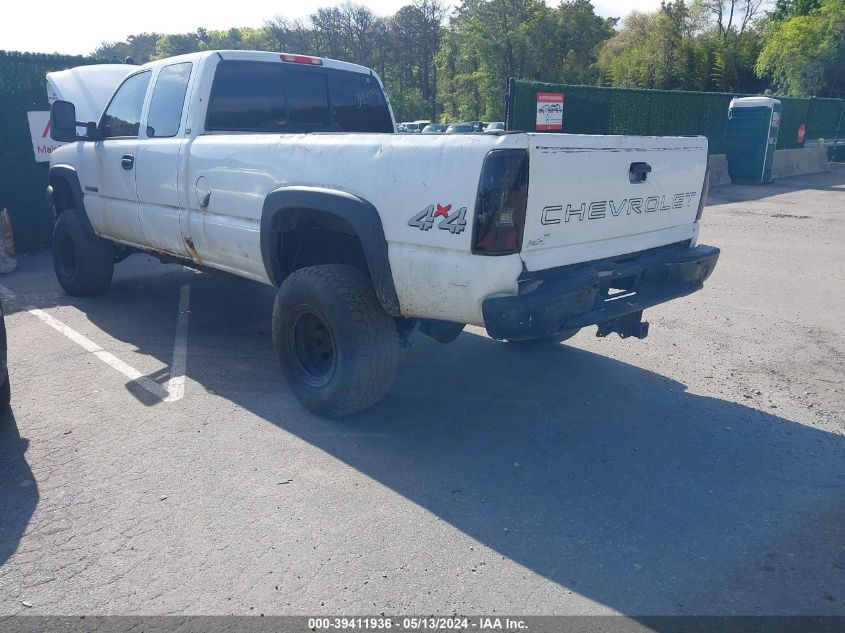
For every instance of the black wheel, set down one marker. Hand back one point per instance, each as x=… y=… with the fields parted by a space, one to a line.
x=5 y=387
x=5 y=393
x=84 y=262
x=548 y=340
x=337 y=346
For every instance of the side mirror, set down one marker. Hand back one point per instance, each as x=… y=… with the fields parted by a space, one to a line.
x=92 y=132
x=63 y=122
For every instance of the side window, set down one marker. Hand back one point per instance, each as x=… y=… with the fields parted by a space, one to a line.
x=123 y=115
x=358 y=104
x=247 y=97
x=308 y=100
x=168 y=99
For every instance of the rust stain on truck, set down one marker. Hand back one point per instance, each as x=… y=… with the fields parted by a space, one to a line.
x=189 y=242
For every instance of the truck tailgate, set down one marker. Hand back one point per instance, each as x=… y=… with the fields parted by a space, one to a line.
x=588 y=199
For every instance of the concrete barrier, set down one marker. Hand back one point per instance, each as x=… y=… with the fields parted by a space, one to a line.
x=718 y=164
x=795 y=162
x=787 y=162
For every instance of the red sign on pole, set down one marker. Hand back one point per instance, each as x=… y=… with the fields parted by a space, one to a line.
x=549 y=111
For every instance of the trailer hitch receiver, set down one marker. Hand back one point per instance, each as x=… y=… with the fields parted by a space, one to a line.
x=628 y=325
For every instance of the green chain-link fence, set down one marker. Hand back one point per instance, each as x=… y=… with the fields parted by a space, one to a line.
x=22 y=180
x=595 y=110
x=826 y=119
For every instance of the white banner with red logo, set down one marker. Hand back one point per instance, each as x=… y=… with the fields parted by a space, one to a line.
x=39 y=130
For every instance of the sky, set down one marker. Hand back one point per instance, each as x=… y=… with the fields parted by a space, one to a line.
x=75 y=27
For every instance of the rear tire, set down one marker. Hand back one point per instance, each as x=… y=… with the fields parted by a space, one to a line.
x=548 y=340
x=5 y=387
x=337 y=346
x=5 y=393
x=84 y=262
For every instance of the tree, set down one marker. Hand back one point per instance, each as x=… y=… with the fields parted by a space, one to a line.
x=139 y=47
x=805 y=53
x=653 y=50
x=785 y=9
x=708 y=45
x=581 y=32
x=176 y=44
x=731 y=17
x=289 y=36
x=460 y=70
x=727 y=32
x=414 y=36
x=489 y=41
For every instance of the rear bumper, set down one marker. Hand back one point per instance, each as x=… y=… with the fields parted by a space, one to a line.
x=596 y=293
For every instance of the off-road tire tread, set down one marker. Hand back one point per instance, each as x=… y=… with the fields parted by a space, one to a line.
x=377 y=340
x=5 y=394
x=94 y=270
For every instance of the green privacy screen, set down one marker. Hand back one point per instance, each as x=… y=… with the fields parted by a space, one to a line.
x=597 y=110
x=826 y=119
x=22 y=180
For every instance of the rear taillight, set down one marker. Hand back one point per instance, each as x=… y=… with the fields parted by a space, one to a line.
x=500 y=204
x=301 y=59
x=705 y=189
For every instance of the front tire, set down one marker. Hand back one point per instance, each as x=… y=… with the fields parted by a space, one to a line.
x=337 y=346
x=84 y=262
x=5 y=387
x=5 y=393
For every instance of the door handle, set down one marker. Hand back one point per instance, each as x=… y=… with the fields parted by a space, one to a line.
x=127 y=161
x=638 y=172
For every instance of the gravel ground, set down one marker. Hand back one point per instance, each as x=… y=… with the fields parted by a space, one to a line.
x=701 y=471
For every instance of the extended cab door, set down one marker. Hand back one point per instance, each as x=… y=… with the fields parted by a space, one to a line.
x=227 y=171
x=117 y=214
x=159 y=157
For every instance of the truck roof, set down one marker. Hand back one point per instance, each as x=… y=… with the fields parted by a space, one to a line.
x=263 y=56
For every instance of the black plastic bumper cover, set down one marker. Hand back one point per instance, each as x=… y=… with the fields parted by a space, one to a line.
x=597 y=292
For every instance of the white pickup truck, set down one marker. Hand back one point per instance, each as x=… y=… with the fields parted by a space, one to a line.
x=285 y=169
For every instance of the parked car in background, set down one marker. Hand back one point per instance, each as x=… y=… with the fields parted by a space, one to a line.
x=401 y=129
x=5 y=388
x=460 y=128
x=434 y=128
x=412 y=127
x=496 y=126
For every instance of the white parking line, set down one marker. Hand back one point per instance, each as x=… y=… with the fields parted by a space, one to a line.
x=108 y=358
x=175 y=388
x=176 y=384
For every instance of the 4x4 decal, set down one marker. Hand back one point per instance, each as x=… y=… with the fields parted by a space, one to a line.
x=454 y=222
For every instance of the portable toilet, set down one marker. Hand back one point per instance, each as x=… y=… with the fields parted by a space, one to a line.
x=751 y=138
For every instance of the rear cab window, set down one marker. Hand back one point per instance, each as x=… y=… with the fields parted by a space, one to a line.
x=358 y=103
x=257 y=96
